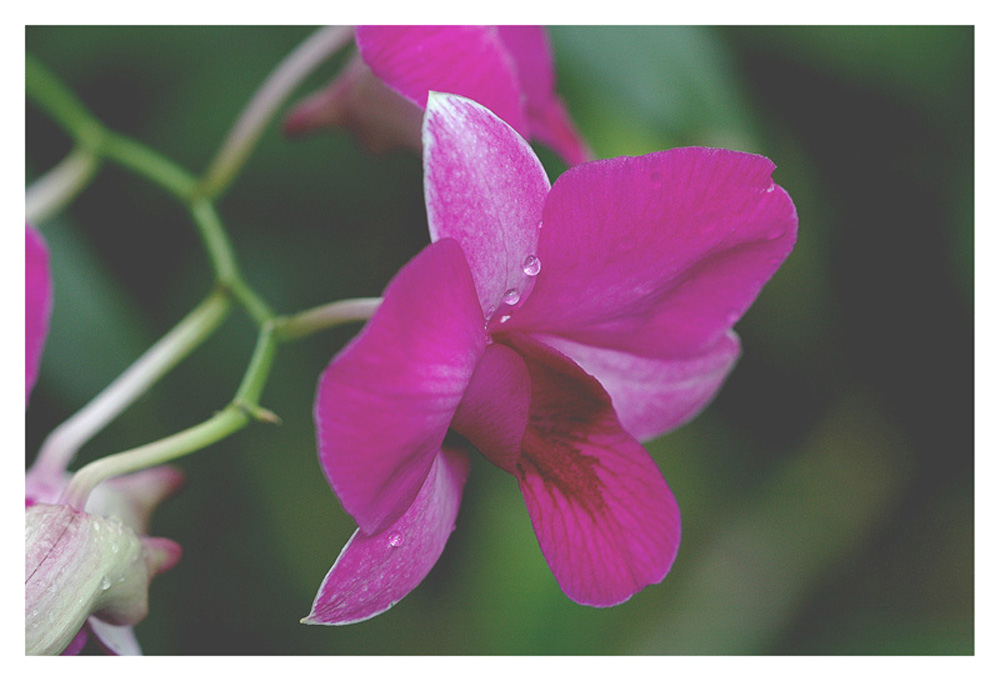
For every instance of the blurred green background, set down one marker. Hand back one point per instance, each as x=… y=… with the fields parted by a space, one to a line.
x=827 y=492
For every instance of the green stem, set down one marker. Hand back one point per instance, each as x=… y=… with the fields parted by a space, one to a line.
x=56 y=99
x=326 y=316
x=96 y=142
x=142 y=160
x=226 y=422
x=49 y=93
x=220 y=251
x=252 y=385
x=265 y=102
x=53 y=191
x=65 y=441
x=234 y=417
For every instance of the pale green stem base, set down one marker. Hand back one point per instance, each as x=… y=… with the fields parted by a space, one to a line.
x=226 y=422
x=326 y=316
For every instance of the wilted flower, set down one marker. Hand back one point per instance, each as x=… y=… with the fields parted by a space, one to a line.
x=382 y=92
x=550 y=328
x=78 y=565
x=84 y=571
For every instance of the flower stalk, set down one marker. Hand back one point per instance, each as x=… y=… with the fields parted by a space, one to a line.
x=55 y=189
x=326 y=316
x=265 y=102
x=96 y=143
x=64 y=442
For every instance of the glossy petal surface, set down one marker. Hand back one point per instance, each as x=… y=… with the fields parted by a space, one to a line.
x=466 y=60
x=37 y=304
x=385 y=402
x=605 y=519
x=374 y=572
x=485 y=188
x=653 y=396
x=658 y=255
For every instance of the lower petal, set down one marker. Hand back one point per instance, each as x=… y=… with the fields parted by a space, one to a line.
x=374 y=572
x=494 y=412
x=605 y=519
x=654 y=396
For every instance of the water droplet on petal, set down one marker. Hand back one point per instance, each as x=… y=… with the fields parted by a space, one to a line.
x=532 y=266
x=511 y=296
x=504 y=319
x=395 y=539
x=105 y=583
x=770 y=189
x=539 y=224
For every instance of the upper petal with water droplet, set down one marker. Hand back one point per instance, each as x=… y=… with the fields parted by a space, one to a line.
x=657 y=255
x=485 y=188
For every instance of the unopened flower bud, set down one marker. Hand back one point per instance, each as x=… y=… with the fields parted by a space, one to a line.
x=78 y=565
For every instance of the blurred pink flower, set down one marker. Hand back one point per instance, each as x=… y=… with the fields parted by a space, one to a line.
x=380 y=95
x=550 y=328
x=37 y=304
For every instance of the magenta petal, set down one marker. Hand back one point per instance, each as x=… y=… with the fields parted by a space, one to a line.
x=658 y=255
x=360 y=102
x=548 y=120
x=373 y=572
x=385 y=402
x=529 y=47
x=78 y=642
x=606 y=521
x=467 y=60
x=551 y=125
x=37 y=304
x=494 y=412
x=654 y=396
x=485 y=188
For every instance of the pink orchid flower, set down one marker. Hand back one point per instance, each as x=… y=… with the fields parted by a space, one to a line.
x=550 y=327
x=382 y=93
x=85 y=571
